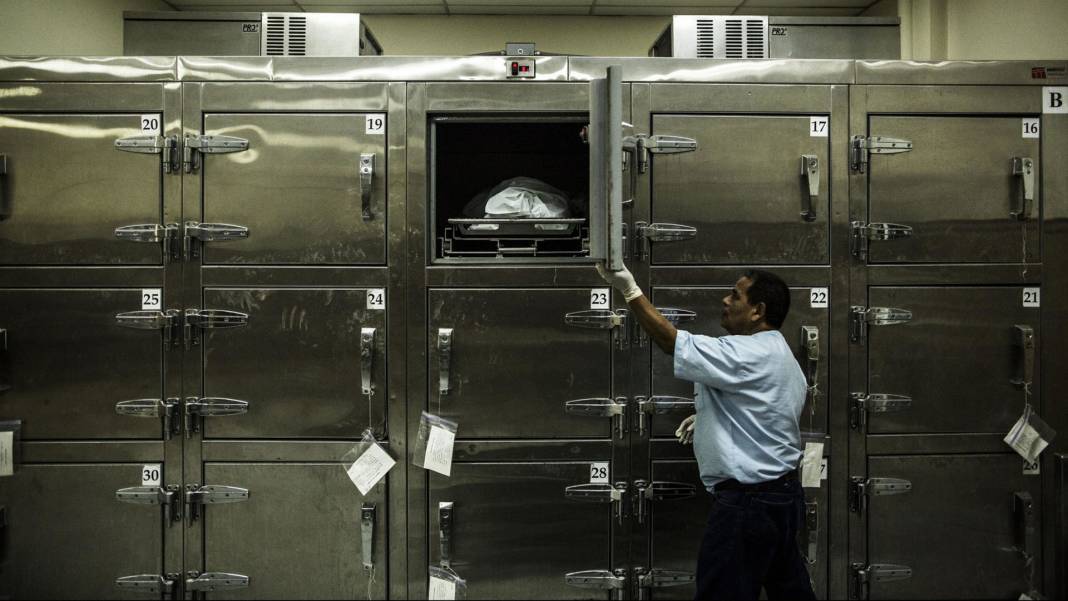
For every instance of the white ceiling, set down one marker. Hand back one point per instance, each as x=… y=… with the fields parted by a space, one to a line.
x=541 y=7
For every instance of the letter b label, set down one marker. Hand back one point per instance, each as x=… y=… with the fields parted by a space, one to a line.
x=1055 y=100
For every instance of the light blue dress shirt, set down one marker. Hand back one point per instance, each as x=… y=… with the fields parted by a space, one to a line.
x=750 y=392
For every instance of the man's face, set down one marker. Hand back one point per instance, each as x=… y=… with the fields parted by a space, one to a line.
x=738 y=316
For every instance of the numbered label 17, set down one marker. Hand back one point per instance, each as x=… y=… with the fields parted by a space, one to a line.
x=818 y=126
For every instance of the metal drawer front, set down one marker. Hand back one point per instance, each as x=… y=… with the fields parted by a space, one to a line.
x=301 y=189
x=956 y=359
x=708 y=304
x=298 y=536
x=743 y=189
x=67 y=188
x=514 y=363
x=68 y=362
x=956 y=189
x=53 y=511
x=515 y=535
x=973 y=553
x=298 y=362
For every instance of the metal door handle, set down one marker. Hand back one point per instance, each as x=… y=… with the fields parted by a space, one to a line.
x=367 y=174
x=810 y=170
x=1025 y=341
x=1024 y=167
x=660 y=405
x=812 y=531
x=5 y=210
x=3 y=349
x=444 y=359
x=445 y=533
x=1023 y=509
x=367 y=535
x=367 y=360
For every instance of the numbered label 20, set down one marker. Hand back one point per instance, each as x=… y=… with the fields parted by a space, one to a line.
x=151 y=124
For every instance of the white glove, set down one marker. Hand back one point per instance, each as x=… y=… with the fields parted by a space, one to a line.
x=621 y=280
x=685 y=431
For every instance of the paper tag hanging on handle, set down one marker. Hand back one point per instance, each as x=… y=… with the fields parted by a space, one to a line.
x=446 y=584
x=1030 y=435
x=367 y=463
x=434 y=444
x=812 y=465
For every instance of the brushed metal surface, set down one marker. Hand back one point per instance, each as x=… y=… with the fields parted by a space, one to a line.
x=784 y=71
x=88 y=68
x=368 y=68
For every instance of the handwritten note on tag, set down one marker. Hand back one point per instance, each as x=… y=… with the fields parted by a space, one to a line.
x=439 y=450
x=811 y=465
x=371 y=467
x=1030 y=436
x=440 y=588
x=7 y=453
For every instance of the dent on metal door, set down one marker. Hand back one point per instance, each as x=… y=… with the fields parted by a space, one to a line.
x=298 y=190
x=955 y=528
x=67 y=188
x=955 y=188
x=515 y=535
x=67 y=537
x=707 y=303
x=297 y=363
x=957 y=359
x=514 y=363
x=744 y=190
x=298 y=535
x=67 y=363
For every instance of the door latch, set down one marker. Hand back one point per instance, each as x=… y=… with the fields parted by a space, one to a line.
x=659 y=491
x=444 y=360
x=861 y=148
x=167 y=409
x=167 y=321
x=1025 y=345
x=367 y=535
x=210 y=582
x=861 y=318
x=863 y=234
x=198 y=145
x=367 y=361
x=205 y=319
x=661 y=405
x=196 y=409
x=1024 y=168
x=600 y=493
x=812 y=532
x=367 y=174
x=601 y=407
x=860 y=490
x=153 y=233
x=166 y=497
x=602 y=580
x=647 y=233
x=445 y=534
x=810 y=170
x=161 y=585
x=645 y=145
x=602 y=319
x=863 y=576
x=211 y=494
x=209 y=232
x=167 y=147
x=861 y=405
x=646 y=579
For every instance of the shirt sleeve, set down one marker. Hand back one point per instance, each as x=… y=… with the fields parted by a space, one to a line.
x=718 y=362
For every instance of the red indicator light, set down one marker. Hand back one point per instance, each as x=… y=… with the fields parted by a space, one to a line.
x=515 y=68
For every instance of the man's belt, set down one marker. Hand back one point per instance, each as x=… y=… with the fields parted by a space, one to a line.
x=776 y=485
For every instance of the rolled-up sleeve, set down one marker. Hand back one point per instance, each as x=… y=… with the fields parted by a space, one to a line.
x=718 y=362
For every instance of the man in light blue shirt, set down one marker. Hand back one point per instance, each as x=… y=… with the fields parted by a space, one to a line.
x=750 y=392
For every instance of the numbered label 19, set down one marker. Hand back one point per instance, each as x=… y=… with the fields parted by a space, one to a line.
x=1032 y=297
x=599 y=473
x=151 y=299
x=376 y=299
x=151 y=125
x=818 y=126
x=819 y=298
x=376 y=124
x=600 y=298
x=151 y=474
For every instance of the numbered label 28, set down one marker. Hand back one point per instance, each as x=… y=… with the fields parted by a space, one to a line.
x=599 y=473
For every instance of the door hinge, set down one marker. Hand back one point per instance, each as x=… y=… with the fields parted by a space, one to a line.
x=863 y=576
x=603 y=319
x=646 y=579
x=208 y=232
x=659 y=491
x=166 y=497
x=661 y=405
x=162 y=585
x=209 y=582
x=861 y=404
x=861 y=148
x=860 y=490
x=863 y=234
x=644 y=145
x=211 y=494
x=153 y=233
x=600 y=493
x=1024 y=168
x=601 y=580
x=647 y=233
x=205 y=319
x=167 y=147
x=196 y=409
x=198 y=145
x=601 y=407
x=168 y=409
x=168 y=321
x=861 y=318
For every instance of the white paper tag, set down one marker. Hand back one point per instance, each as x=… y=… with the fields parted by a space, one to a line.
x=811 y=465
x=1055 y=100
x=1025 y=597
x=600 y=298
x=151 y=474
x=371 y=467
x=151 y=124
x=1025 y=440
x=151 y=298
x=1032 y=127
x=441 y=588
x=439 y=450
x=7 y=453
x=1032 y=297
x=599 y=473
x=376 y=124
x=818 y=126
x=819 y=298
x=376 y=299
x=1032 y=468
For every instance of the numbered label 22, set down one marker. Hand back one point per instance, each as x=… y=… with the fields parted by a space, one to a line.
x=819 y=298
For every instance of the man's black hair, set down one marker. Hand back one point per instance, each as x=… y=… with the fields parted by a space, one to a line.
x=769 y=289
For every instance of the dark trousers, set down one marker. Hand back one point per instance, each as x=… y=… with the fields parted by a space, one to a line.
x=751 y=542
